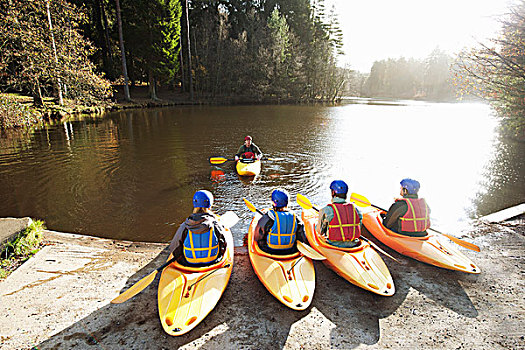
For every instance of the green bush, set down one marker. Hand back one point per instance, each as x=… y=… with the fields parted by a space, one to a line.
x=16 y=114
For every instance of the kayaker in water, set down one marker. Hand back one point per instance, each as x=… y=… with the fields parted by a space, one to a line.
x=409 y=215
x=249 y=150
x=278 y=230
x=340 y=222
x=199 y=239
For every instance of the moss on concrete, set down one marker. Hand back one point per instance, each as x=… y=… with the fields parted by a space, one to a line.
x=25 y=245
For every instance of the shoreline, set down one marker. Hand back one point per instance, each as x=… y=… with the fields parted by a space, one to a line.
x=52 y=112
x=60 y=299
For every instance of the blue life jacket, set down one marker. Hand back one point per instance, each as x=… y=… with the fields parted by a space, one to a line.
x=201 y=248
x=282 y=234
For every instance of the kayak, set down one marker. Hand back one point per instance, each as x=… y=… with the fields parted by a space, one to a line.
x=248 y=167
x=432 y=249
x=361 y=266
x=186 y=295
x=289 y=278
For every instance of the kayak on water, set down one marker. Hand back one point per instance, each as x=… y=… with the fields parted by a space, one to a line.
x=289 y=278
x=248 y=167
x=186 y=295
x=432 y=249
x=361 y=266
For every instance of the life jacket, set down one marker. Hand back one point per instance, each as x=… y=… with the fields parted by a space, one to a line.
x=282 y=233
x=248 y=155
x=201 y=248
x=345 y=226
x=416 y=218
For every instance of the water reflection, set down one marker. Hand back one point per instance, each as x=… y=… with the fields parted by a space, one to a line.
x=132 y=174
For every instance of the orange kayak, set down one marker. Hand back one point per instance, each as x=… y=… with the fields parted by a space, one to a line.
x=289 y=278
x=361 y=266
x=432 y=249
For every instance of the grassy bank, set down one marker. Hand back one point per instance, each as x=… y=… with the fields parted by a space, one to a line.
x=26 y=244
x=17 y=110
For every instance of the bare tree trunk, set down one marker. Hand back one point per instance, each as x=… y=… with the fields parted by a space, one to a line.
x=59 y=82
x=123 y=54
x=109 y=53
x=37 y=94
x=182 y=71
x=152 y=86
x=188 y=50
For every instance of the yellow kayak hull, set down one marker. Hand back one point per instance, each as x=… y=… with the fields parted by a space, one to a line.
x=289 y=278
x=248 y=169
x=361 y=266
x=186 y=295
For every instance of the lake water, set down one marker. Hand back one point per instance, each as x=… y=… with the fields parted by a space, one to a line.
x=132 y=175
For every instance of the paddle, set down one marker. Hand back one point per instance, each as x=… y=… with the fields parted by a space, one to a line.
x=221 y=160
x=228 y=220
x=362 y=201
x=306 y=204
x=140 y=285
x=305 y=249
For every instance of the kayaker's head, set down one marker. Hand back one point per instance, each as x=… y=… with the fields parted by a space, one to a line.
x=339 y=188
x=202 y=201
x=409 y=187
x=248 y=141
x=280 y=198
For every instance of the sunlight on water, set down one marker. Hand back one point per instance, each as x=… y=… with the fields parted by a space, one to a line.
x=132 y=174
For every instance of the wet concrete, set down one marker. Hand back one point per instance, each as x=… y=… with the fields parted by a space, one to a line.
x=60 y=300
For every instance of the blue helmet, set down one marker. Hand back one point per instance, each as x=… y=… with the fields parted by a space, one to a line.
x=202 y=199
x=339 y=187
x=280 y=198
x=411 y=185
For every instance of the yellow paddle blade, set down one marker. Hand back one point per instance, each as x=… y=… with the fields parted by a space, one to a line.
x=249 y=205
x=360 y=200
x=304 y=202
x=218 y=160
x=135 y=289
x=309 y=252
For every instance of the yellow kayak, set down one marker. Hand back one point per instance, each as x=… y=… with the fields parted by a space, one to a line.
x=186 y=295
x=361 y=265
x=248 y=167
x=289 y=278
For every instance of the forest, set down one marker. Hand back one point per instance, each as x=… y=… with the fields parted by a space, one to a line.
x=229 y=51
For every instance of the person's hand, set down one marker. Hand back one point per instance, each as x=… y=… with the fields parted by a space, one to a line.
x=259 y=156
x=236 y=158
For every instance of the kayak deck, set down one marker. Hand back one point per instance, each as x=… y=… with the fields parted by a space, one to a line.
x=249 y=168
x=186 y=295
x=361 y=266
x=289 y=278
x=432 y=249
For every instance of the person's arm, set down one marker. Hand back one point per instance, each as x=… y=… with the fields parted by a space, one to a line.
x=359 y=214
x=219 y=233
x=301 y=235
x=177 y=238
x=260 y=229
x=239 y=152
x=396 y=210
x=321 y=223
x=257 y=152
